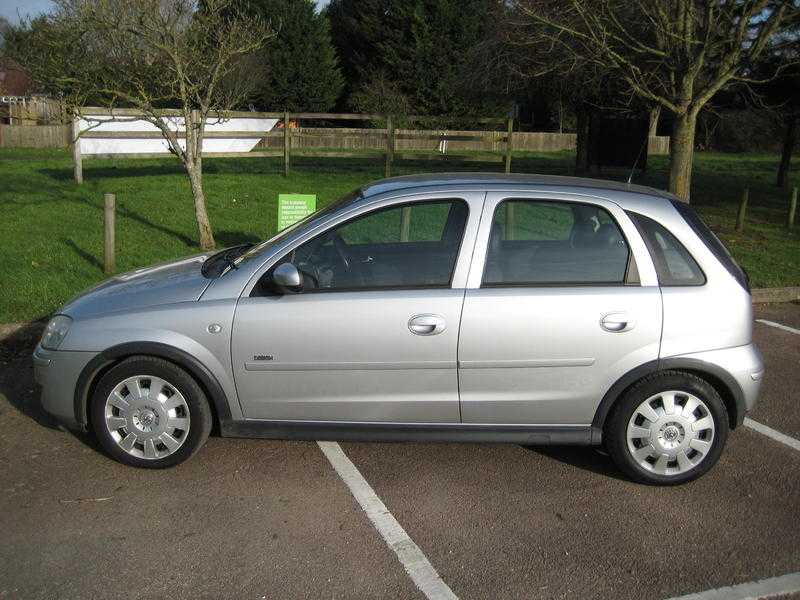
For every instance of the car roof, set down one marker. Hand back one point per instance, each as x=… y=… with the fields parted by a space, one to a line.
x=498 y=180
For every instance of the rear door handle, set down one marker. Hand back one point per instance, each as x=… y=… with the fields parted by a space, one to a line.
x=426 y=324
x=617 y=322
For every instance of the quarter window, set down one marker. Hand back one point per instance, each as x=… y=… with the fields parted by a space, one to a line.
x=541 y=242
x=404 y=246
x=674 y=265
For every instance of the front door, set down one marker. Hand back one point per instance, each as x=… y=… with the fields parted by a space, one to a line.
x=372 y=336
x=563 y=303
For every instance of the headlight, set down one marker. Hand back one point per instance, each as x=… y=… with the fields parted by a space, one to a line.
x=55 y=332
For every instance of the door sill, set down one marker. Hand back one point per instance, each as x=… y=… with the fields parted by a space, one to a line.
x=535 y=435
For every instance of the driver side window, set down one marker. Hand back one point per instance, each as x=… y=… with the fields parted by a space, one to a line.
x=410 y=245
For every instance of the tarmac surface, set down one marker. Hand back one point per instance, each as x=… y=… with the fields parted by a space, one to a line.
x=272 y=519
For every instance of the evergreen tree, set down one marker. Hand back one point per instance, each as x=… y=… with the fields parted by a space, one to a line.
x=301 y=69
x=421 y=47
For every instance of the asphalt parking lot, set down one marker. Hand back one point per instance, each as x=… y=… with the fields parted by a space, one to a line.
x=264 y=519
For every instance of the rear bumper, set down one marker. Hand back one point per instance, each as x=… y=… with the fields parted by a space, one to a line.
x=57 y=372
x=742 y=366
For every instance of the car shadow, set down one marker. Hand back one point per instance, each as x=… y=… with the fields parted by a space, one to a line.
x=18 y=387
x=17 y=384
x=590 y=459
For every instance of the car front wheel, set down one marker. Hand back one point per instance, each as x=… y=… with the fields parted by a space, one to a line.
x=148 y=412
x=668 y=429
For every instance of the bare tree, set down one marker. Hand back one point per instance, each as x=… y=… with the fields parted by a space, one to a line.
x=148 y=55
x=675 y=54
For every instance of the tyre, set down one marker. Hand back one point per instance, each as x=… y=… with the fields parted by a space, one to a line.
x=148 y=412
x=667 y=429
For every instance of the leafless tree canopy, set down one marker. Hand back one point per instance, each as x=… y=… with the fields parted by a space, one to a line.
x=671 y=53
x=149 y=55
x=676 y=53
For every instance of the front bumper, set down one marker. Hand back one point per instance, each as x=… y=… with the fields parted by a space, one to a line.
x=57 y=372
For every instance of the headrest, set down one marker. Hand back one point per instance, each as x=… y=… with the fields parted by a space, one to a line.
x=495 y=236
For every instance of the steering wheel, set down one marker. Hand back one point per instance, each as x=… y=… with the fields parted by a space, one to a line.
x=341 y=249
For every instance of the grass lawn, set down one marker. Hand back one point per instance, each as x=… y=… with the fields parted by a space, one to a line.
x=51 y=234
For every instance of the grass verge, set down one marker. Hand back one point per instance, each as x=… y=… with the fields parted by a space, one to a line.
x=51 y=236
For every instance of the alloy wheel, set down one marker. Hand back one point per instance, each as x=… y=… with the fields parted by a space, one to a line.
x=147 y=417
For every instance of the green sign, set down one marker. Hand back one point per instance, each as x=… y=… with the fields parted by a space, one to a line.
x=294 y=207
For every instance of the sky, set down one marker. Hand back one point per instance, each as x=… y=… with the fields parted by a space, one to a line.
x=11 y=9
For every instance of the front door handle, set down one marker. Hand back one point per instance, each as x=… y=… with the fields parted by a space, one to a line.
x=617 y=322
x=427 y=324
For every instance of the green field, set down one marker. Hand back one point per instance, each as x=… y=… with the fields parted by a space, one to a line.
x=51 y=234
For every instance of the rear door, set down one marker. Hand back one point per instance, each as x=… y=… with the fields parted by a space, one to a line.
x=562 y=300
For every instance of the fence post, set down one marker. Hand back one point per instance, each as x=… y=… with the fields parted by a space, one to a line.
x=511 y=220
x=77 y=160
x=742 y=210
x=509 y=143
x=286 y=143
x=405 y=223
x=792 y=208
x=109 y=259
x=387 y=169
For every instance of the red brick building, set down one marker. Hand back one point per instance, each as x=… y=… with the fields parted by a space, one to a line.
x=14 y=81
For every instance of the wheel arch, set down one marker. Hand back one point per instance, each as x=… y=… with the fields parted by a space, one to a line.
x=725 y=385
x=99 y=366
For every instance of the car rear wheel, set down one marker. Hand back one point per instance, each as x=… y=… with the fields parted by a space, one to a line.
x=148 y=412
x=668 y=429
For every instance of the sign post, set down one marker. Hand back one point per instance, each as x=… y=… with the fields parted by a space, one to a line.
x=294 y=207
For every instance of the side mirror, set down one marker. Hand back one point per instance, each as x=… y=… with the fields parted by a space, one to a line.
x=287 y=278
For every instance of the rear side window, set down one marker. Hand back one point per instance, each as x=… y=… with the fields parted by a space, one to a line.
x=548 y=243
x=674 y=265
x=712 y=242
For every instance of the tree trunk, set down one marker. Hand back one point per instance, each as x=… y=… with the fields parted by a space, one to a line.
x=789 y=139
x=681 y=152
x=195 y=128
x=195 y=171
x=582 y=141
x=655 y=113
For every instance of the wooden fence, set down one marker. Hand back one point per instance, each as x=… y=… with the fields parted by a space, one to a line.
x=37 y=110
x=335 y=141
x=35 y=136
x=292 y=138
x=373 y=139
x=416 y=139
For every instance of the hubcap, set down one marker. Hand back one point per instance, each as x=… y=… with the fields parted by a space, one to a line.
x=147 y=417
x=670 y=433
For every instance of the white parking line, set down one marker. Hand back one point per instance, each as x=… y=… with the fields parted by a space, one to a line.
x=772 y=433
x=763 y=588
x=411 y=557
x=779 y=326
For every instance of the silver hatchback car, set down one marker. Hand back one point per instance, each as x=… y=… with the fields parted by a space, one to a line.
x=480 y=308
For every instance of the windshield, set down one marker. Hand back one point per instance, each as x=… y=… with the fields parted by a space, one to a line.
x=309 y=221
